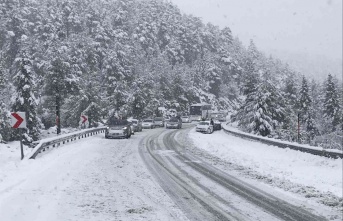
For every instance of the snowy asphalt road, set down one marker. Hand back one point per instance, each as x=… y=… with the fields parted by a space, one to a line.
x=204 y=192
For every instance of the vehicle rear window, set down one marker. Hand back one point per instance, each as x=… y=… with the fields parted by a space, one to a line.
x=147 y=120
x=158 y=118
x=113 y=121
x=174 y=120
x=135 y=121
x=203 y=123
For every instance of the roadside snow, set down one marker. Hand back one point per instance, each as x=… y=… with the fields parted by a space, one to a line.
x=89 y=179
x=290 y=170
x=305 y=146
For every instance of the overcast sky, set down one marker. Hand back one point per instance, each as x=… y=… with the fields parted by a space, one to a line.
x=305 y=26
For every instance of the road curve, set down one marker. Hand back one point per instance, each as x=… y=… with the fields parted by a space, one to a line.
x=204 y=192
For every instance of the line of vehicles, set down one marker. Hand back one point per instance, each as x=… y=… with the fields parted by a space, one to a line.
x=209 y=121
x=124 y=128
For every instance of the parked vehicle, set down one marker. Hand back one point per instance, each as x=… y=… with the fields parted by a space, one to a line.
x=148 y=123
x=118 y=128
x=159 y=121
x=166 y=119
x=132 y=128
x=217 y=125
x=220 y=116
x=204 y=127
x=174 y=123
x=186 y=119
x=172 y=112
x=137 y=125
x=200 y=111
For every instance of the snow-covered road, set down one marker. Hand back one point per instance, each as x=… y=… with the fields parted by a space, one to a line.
x=167 y=175
x=220 y=194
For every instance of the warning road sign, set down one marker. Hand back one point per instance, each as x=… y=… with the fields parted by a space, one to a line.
x=84 y=119
x=18 y=120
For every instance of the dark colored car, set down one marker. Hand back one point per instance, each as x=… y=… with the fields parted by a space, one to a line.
x=217 y=125
x=118 y=128
x=174 y=123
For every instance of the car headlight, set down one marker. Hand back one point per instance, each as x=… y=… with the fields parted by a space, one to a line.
x=124 y=128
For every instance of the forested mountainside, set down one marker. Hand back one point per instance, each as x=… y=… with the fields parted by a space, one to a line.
x=94 y=57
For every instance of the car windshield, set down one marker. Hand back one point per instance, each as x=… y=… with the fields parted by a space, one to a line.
x=134 y=121
x=147 y=120
x=185 y=117
x=174 y=120
x=158 y=119
x=203 y=123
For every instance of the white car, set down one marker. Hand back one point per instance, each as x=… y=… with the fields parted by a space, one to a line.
x=204 y=127
x=186 y=119
x=148 y=123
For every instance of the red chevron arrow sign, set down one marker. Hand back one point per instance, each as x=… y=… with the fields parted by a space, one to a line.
x=84 y=119
x=18 y=120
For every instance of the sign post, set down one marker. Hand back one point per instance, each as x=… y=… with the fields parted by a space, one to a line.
x=84 y=119
x=21 y=144
x=18 y=120
x=299 y=127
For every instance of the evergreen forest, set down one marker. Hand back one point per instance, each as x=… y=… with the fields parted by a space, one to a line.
x=66 y=58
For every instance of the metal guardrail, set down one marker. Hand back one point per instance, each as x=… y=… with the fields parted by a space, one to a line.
x=45 y=145
x=285 y=145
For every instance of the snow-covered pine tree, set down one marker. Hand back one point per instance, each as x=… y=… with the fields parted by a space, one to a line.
x=178 y=91
x=245 y=115
x=311 y=128
x=25 y=100
x=288 y=130
x=138 y=102
x=4 y=122
x=331 y=107
x=305 y=101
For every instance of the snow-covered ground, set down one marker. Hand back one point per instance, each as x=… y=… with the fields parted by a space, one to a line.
x=89 y=179
x=311 y=176
x=305 y=146
x=99 y=179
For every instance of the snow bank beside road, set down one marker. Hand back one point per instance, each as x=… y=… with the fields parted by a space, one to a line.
x=282 y=142
x=321 y=173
